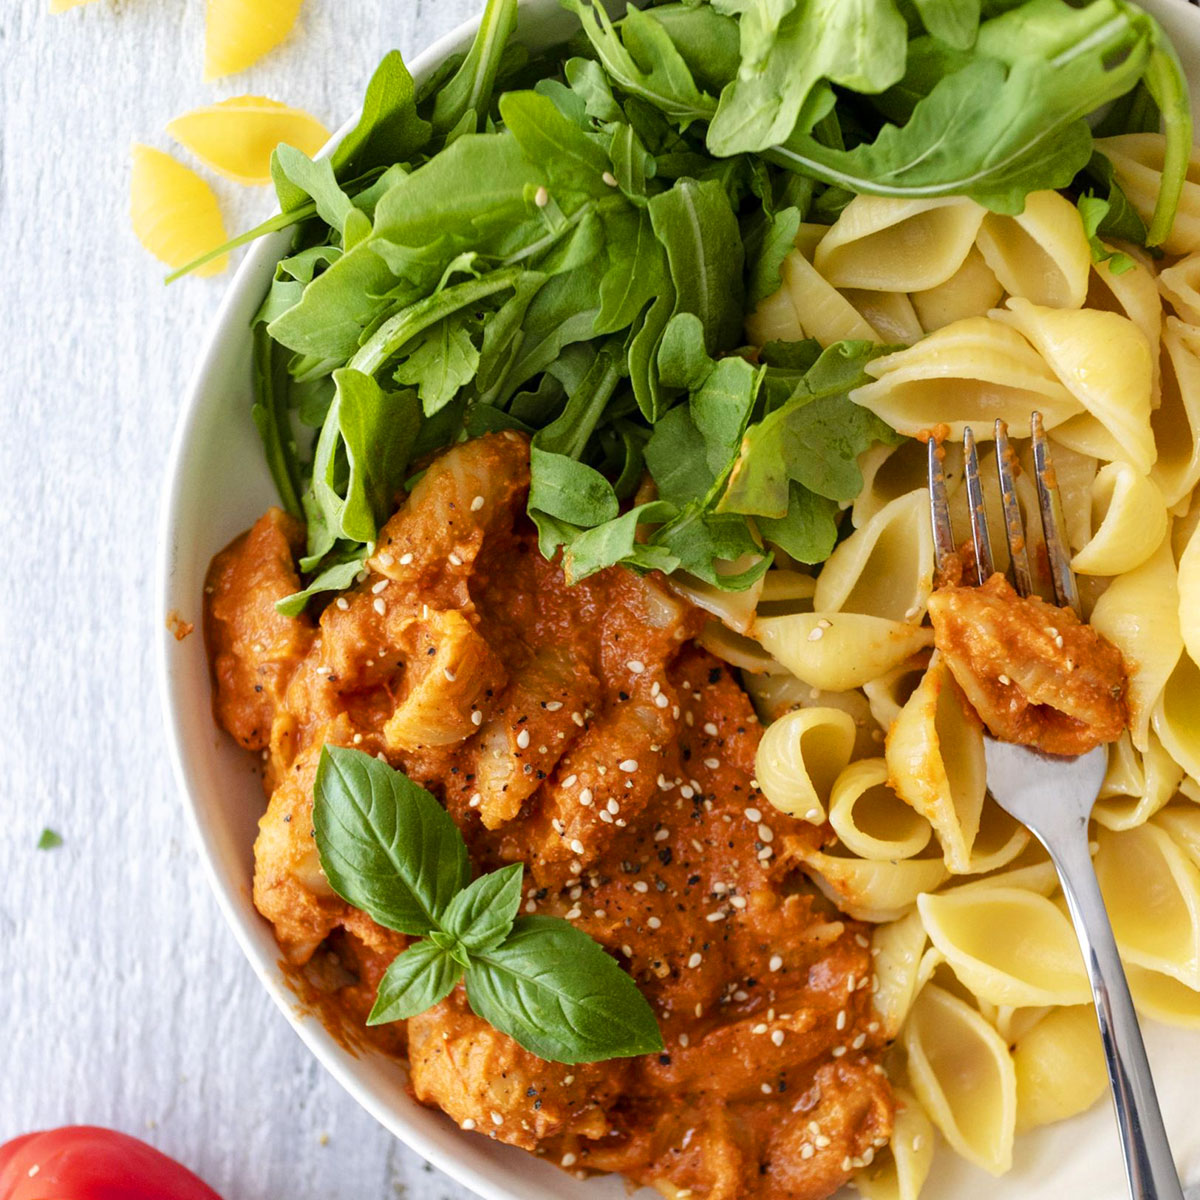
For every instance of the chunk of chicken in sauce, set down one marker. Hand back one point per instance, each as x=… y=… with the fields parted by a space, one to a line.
x=578 y=730
x=1034 y=673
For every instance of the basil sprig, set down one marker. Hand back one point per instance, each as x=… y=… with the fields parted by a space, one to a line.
x=389 y=848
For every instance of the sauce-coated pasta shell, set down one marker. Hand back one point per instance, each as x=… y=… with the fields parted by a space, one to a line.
x=1007 y=945
x=1105 y=362
x=1060 y=1067
x=839 y=651
x=174 y=212
x=935 y=762
x=968 y=373
x=900 y=1172
x=897 y=948
x=1176 y=717
x=972 y=291
x=1041 y=254
x=1137 y=783
x=801 y=756
x=823 y=312
x=963 y=1075
x=1137 y=160
x=235 y=137
x=892 y=245
x=1163 y=999
x=1139 y=614
x=1176 y=421
x=870 y=818
x=238 y=33
x=1129 y=516
x=890 y=314
x=1152 y=893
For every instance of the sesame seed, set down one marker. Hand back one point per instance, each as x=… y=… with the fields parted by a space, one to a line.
x=738 y=901
x=477 y=504
x=497 y=1119
x=765 y=1088
x=821 y=1141
x=715 y=916
x=739 y=995
x=541 y=197
x=847 y=1163
x=450 y=676
x=475 y=800
x=576 y=846
x=861 y=940
x=568 y=1080
x=577 y=718
x=860 y=1040
x=689 y=718
x=807 y=1151
x=1058 y=641
x=609 y=178
x=455 y=561
x=381 y=586
x=357 y=738
x=573 y=914
x=661 y=701
x=557 y=826
x=764 y=854
x=553 y=705
x=613 y=807
x=838 y=1051
x=840 y=1023
x=477 y=717
x=570 y=781
x=710 y=729
x=405 y=559
x=606 y=816
x=776 y=962
x=684 y=1040
x=1003 y=679
x=585 y=797
x=766 y=833
x=469 y=1123
x=687 y=791
x=654 y=923
x=760 y=1028
x=523 y=739
x=628 y=765
x=568 y=1160
x=661 y=835
x=343 y=603
x=695 y=960
x=815 y=635
x=712 y=763
x=379 y=606
x=636 y=666
x=641 y=886
x=777 y=1037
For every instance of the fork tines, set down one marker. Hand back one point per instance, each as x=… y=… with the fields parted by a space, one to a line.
x=1058 y=557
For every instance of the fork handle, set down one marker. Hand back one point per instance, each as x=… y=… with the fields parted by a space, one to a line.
x=1149 y=1165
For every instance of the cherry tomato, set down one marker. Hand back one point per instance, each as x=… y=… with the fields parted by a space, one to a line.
x=82 y=1162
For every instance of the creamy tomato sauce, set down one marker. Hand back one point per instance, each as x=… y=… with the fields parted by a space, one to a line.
x=581 y=731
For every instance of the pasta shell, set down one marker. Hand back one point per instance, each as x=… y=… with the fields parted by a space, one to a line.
x=1009 y=946
x=774 y=319
x=1104 y=361
x=1000 y=840
x=971 y=291
x=1137 y=160
x=964 y=1077
x=1182 y=822
x=236 y=137
x=1031 y=871
x=1133 y=294
x=968 y=373
x=824 y=313
x=889 y=693
x=735 y=609
x=1162 y=998
x=890 y=472
x=1012 y=1024
x=1041 y=254
x=901 y=1171
x=884 y=569
x=1060 y=1067
x=892 y=245
x=1176 y=421
x=237 y=33
x=174 y=212
x=57 y=6
x=736 y=649
x=889 y=314
x=897 y=948
x=1137 y=783
x=800 y=758
x=839 y=651
x=1026 y=495
x=870 y=818
x=1179 y=284
x=1152 y=893
x=1139 y=614
x=1129 y=516
x=1177 y=715
x=935 y=762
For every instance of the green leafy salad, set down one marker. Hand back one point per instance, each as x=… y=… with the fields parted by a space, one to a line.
x=567 y=244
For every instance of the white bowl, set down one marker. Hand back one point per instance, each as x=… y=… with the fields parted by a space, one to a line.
x=217 y=485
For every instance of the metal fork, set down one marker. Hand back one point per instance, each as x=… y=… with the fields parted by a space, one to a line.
x=1053 y=797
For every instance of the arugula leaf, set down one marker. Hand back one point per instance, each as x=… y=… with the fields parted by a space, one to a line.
x=707 y=41
x=299 y=178
x=637 y=266
x=271 y=419
x=1093 y=211
x=1167 y=83
x=569 y=490
x=416 y=980
x=386 y=845
x=767 y=244
x=554 y=990
x=444 y=360
x=954 y=22
x=49 y=840
x=468 y=92
x=808 y=531
x=572 y=160
x=388 y=129
x=334 y=578
x=590 y=550
x=481 y=915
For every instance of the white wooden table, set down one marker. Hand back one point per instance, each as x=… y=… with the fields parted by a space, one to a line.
x=123 y=999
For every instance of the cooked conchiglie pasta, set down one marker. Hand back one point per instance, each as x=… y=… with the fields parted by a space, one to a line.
x=1182 y=822
x=1041 y=254
x=1139 y=614
x=1179 y=285
x=1176 y=717
x=1137 y=784
x=1075 y=474
x=838 y=651
x=1000 y=840
x=174 y=212
x=870 y=818
x=971 y=291
x=1132 y=293
x=963 y=1075
x=800 y=758
x=889 y=314
x=969 y=373
x=935 y=762
x=1060 y=1067
x=1026 y=494
x=823 y=312
x=1152 y=893
x=736 y=649
x=1104 y=361
x=236 y=137
x=57 y=6
x=1176 y=421
x=237 y=33
x=884 y=569
x=1162 y=998
x=1137 y=160
x=890 y=472
x=735 y=609
x=890 y=692
x=1129 y=516
x=1008 y=946
x=774 y=319
x=1031 y=871
x=1012 y=1024
x=900 y=1172
x=897 y=947
x=868 y=891
x=893 y=245
x=783 y=586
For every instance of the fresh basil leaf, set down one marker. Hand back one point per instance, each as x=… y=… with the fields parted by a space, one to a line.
x=416 y=980
x=808 y=532
x=481 y=915
x=569 y=490
x=443 y=360
x=335 y=578
x=385 y=844
x=389 y=130
x=560 y=996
